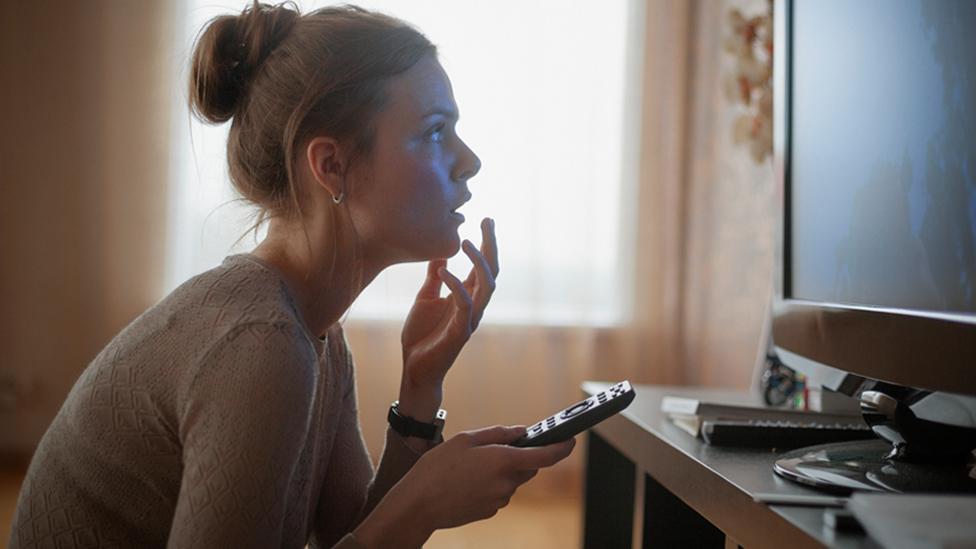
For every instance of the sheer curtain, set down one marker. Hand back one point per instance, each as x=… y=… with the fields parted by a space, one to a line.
x=542 y=91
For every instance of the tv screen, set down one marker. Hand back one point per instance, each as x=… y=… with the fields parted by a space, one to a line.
x=883 y=154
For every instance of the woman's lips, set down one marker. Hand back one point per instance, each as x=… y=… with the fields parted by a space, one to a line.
x=457 y=216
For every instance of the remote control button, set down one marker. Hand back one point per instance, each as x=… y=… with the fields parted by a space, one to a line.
x=576 y=409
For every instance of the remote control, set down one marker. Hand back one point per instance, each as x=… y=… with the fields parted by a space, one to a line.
x=578 y=417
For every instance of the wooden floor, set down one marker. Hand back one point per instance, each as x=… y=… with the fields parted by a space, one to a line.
x=530 y=521
x=533 y=519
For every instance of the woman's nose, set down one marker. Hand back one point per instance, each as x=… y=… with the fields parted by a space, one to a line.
x=468 y=164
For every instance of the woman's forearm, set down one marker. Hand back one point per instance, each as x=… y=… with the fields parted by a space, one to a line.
x=395 y=522
x=420 y=403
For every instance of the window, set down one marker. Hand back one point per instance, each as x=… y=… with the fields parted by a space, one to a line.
x=547 y=95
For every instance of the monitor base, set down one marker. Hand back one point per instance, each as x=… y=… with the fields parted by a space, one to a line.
x=844 y=467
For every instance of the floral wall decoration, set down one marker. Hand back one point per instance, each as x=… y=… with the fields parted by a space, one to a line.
x=750 y=85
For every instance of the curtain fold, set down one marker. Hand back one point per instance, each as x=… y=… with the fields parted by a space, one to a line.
x=85 y=155
x=730 y=218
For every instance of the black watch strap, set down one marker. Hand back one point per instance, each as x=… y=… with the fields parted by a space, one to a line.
x=407 y=426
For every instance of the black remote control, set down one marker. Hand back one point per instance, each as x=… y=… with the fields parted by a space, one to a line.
x=578 y=417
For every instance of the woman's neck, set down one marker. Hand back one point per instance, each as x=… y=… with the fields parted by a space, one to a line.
x=320 y=272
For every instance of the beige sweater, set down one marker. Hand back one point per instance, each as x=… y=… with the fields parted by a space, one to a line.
x=215 y=419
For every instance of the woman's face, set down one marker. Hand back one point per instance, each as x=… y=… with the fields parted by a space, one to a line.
x=404 y=199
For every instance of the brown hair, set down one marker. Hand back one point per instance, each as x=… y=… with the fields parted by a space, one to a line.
x=284 y=77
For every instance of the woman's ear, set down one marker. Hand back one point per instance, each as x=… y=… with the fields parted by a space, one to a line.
x=327 y=164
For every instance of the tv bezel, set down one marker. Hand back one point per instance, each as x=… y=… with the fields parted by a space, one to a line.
x=927 y=350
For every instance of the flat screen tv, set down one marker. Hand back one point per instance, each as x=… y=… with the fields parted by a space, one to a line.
x=875 y=158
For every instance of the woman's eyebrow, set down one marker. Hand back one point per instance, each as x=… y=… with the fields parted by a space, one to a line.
x=445 y=112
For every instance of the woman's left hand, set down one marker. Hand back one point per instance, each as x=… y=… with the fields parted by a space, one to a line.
x=438 y=327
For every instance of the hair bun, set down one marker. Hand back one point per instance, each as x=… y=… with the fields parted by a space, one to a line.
x=228 y=53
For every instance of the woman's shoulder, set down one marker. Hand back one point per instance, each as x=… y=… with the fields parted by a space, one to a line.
x=233 y=302
x=245 y=359
x=236 y=292
x=241 y=284
x=243 y=305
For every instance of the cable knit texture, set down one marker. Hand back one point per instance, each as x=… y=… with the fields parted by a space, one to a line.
x=215 y=419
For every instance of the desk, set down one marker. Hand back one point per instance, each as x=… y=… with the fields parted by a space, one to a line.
x=650 y=484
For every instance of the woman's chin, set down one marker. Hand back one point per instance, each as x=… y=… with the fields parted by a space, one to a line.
x=448 y=248
x=439 y=248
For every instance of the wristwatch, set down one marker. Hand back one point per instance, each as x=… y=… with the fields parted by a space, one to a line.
x=409 y=427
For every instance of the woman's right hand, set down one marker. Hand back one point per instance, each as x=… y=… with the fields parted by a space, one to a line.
x=467 y=478
x=474 y=474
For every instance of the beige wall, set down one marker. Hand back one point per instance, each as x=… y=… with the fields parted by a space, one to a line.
x=84 y=147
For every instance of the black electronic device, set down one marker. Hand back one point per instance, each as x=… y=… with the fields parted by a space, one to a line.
x=876 y=254
x=782 y=435
x=579 y=417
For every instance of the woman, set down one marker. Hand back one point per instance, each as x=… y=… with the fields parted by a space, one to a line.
x=225 y=416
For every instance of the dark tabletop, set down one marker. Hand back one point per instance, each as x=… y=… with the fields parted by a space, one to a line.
x=718 y=482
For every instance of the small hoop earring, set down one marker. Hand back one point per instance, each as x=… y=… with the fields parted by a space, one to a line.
x=338 y=199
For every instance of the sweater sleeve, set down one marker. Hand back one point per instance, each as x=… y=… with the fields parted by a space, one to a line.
x=397 y=458
x=244 y=420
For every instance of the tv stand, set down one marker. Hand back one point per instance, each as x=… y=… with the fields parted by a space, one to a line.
x=650 y=484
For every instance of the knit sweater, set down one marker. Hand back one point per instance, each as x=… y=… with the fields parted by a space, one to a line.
x=215 y=419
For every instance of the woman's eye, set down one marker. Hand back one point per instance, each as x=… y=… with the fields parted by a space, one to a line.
x=436 y=133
